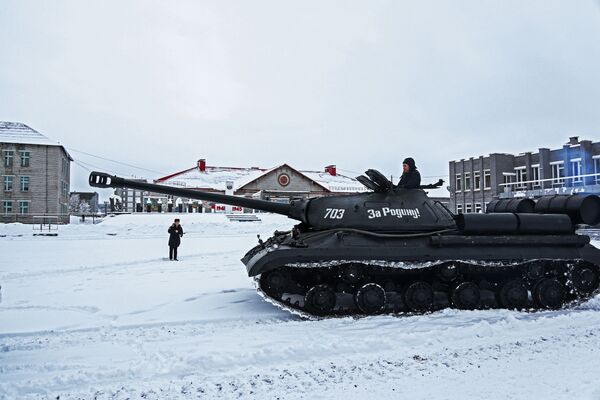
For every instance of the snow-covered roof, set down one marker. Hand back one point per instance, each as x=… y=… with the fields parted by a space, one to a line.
x=336 y=183
x=213 y=177
x=216 y=177
x=19 y=133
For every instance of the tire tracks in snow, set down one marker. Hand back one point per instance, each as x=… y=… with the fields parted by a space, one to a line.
x=273 y=358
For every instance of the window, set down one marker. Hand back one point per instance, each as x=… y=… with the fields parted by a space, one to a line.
x=576 y=168
x=521 y=174
x=65 y=189
x=24 y=184
x=7 y=206
x=535 y=175
x=477 y=180
x=459 y=208
x=485 y=206
x=597 y=168
x=558 y=172
x=23 y=207
x=64 y=209
x=478 y=208
x=487 y=179
x=468 y=208
x=64 y=167
x=8 y=158
x=467 y=181
x=24 y=158
x=8 y=182
x=509 y=179
x=458 y=182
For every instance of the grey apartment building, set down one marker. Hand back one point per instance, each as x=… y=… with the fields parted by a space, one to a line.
x=573 y=168
x=35 y=176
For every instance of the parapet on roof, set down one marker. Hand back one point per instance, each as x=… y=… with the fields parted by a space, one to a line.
x=19 y=133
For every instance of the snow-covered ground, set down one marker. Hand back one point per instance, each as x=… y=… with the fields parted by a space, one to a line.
x=98 y=312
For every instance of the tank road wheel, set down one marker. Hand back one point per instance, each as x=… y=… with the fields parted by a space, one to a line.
x=514 y=295
x=448 y=272
x=274 y=282
x=535 y=271
x=320 y=300
x=351 y=273
x=370 y=298
x=466 y=296
x=585 y=278
x=549 y=293
x=418 y=297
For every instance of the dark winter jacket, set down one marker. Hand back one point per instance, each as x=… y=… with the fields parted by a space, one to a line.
x=412 y=178
x=175 y=234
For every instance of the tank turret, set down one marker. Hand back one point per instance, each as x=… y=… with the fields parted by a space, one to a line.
x=387 y=209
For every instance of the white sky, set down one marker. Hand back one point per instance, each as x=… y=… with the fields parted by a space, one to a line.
x=257 y=83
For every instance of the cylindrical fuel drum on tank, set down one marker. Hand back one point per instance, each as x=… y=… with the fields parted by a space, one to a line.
x=545 y=223
x=582 y=208
x=521 y=205
x=488 y=223
x=514 y=223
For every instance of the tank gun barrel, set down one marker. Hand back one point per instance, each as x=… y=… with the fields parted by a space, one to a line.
x=295 y=209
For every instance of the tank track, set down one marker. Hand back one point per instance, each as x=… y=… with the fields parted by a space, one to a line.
x=341 y=288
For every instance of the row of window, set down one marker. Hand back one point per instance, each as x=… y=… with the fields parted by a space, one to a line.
x=23 y=206
x=8 y=181
x=9 y=156
x=520 y=178
x=470 y=208
x=487 y=181
x=558 y=174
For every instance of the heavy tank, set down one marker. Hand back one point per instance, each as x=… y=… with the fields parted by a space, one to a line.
x=394 y=250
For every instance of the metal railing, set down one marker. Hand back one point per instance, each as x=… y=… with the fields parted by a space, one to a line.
x=575 y=181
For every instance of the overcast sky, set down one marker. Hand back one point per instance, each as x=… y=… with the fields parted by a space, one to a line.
x=258 y=83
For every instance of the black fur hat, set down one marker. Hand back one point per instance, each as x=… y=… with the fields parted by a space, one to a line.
x=410 y=162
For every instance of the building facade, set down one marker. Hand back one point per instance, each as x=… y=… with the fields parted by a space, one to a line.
x=574 y=168
x=280 y=184
x=35 y=175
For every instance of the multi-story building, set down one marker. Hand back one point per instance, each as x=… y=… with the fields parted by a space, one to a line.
x=574 y=168
x=35 y=176
x=128 y=200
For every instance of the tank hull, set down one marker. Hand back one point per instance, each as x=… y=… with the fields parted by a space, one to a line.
x=356 y=246
x=390 y=267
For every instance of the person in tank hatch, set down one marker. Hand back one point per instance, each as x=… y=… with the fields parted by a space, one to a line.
x=411 y=178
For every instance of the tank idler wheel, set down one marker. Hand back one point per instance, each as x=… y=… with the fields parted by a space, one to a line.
x=514 y=295
x=370 y=298
x=549 y=293
x=448 y=272
x=585 y=278
x=320 y=300
x=351 y=273
x=466 y=296
x=274 y=282
x=418 y=297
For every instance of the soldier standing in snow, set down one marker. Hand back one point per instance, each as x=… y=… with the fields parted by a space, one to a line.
x=175 y=234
